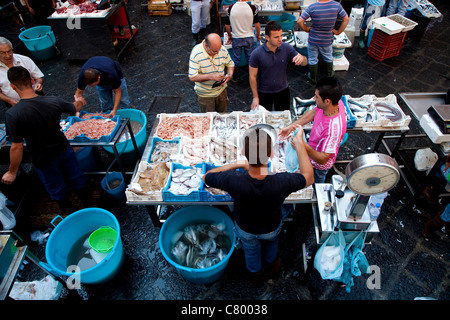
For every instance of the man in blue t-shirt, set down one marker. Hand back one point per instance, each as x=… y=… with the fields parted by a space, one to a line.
x=267 y=70
x=323 y=16
x=259 y=194
x=106 y=74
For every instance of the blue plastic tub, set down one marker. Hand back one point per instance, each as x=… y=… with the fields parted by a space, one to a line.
x=40 y=41
x=119 y=191
x=69 y=231
x=141 y=137
x=286 y=21
x=194 y=215
x=86 y=158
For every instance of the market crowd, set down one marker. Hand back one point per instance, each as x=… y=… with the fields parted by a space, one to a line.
x=258 y=195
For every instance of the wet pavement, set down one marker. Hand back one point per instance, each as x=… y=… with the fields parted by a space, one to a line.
x=409 y=265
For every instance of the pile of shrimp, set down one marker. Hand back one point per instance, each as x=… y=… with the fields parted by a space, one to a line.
x=182 y=125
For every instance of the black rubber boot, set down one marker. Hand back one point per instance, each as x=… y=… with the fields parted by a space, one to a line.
x=330 y=69
x=196 y=39
x=312 y=74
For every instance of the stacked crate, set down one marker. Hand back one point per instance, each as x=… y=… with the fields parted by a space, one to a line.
x=383 y=45
x=159 y=7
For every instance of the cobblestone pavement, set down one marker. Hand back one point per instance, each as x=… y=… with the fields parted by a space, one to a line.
x=409 y=265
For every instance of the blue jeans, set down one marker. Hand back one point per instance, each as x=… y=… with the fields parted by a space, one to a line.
x=260 y=249
x=325 y=51
x=63 y=171
x=237 y=44
x=320 y=175
x=105 y=94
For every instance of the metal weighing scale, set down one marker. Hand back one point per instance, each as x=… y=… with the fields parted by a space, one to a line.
x=365 y=175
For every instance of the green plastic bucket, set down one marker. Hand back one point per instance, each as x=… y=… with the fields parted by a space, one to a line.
x=40 y=41
x=102 y=240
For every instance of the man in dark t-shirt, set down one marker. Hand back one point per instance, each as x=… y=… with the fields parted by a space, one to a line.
x=106 y=75
x=259 y=195
x=35 y=120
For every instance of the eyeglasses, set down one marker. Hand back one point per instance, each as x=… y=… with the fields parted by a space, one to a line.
x=4 y=53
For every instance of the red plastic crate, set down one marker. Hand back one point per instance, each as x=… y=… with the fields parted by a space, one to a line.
x=383 y=45
x=383 y=39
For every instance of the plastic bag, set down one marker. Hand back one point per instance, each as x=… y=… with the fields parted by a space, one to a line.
x=425 y=159
x=291 y=159
x=329 y=259
x=355 y=261
x=45 y=289
x=7 y=218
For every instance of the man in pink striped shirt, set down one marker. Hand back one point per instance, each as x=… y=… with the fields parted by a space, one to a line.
x=329 y=126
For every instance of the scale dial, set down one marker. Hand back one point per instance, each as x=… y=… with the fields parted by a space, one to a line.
x=372 y=174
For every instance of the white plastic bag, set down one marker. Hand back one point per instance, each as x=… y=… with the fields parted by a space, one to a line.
x=7 y=218
x=425 y=159
x=45 y=289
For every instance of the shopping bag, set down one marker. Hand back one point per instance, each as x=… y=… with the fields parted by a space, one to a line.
x=329 y=259
x=355 y=261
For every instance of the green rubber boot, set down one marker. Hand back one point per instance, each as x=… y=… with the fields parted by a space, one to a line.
x=312 y=74
x=330 y=69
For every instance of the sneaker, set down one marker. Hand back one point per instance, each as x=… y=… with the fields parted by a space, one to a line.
x=274 y=268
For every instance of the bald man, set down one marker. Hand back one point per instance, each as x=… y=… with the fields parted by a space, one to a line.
x=210 y=68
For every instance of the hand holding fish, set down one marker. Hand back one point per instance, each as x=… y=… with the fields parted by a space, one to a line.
x=285 y=132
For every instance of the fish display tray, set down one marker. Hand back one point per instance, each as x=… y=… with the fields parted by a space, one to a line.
x=153 y=196
x=305 y=194
x=2 y=132
x=387 y=25
x=351 y=119
x=163 y=116
x=381 y=121
x=407 y=23
x=157 y=139
x=169 y=196
x=84 y=138
x=208 y=196
x=184 y=142
x=83 y=113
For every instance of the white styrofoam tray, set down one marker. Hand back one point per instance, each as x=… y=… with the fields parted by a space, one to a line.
x=432 y=130
x=387 y=25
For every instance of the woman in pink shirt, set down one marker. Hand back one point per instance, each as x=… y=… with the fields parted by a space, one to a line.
x=329 y=127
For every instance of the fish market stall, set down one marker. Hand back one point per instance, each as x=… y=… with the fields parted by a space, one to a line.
x=83 y=31
x=429 y=109
x=182 y=147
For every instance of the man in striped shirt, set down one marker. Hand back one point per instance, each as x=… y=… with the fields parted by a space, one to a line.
x=207 y=65
x=323 y=16
x=329 y=127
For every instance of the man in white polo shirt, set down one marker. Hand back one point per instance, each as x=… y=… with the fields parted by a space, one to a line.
x=207 y=65
x=9 y=59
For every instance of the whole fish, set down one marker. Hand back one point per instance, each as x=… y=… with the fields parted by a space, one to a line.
x=389 y=111
x=365 y=107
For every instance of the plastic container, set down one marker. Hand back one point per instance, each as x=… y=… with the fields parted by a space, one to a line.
x=86 y=158
x=350 y=32
x=375 y=203
x=102 y=240
x=125 y=147
x=40 y=41
x=206 y=195
x=286 y=21
x=169 y=196
x=69 y=231
x=193 y=215
x=117 y=192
